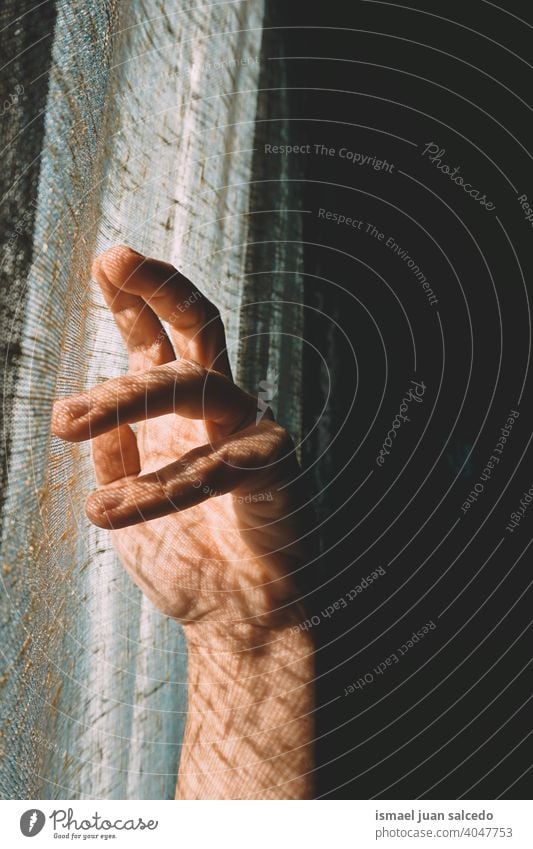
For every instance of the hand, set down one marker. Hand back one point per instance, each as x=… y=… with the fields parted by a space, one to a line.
x=205 y=509
x=202 y=500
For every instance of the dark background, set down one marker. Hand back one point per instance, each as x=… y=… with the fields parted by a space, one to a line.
x=452 y=719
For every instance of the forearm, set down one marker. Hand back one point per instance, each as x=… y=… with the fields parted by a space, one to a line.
x=249 y=730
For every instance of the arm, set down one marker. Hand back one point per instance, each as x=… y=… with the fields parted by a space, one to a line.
x=206 y=510
x=250 y=721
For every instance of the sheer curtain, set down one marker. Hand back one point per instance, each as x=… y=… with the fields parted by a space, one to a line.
x=143 y=123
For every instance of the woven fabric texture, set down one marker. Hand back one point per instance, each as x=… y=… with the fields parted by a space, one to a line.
x=139 y=122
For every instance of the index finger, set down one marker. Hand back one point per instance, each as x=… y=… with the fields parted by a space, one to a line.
x=182 y=387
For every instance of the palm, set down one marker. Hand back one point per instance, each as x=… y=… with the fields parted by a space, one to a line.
x=204 y=563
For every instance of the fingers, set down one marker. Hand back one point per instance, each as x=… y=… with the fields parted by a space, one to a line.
x=145 y=338
x=115 y=455
x=203 y=473
x=181 y=387
x=196 y=330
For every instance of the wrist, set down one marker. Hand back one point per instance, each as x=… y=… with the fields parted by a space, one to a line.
x=253 y=689
x=245 y=641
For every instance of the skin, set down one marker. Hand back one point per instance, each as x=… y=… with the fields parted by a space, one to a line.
x=206 y=514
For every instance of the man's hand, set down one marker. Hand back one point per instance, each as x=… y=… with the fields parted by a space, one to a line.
x=206 y=513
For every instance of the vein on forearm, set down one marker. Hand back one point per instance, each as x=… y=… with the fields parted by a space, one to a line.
x=250 y=724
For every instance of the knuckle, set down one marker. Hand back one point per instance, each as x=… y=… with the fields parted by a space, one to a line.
x=280 y=442
x=247 y=409
x=211 y=317
x=206 y=313
x=279 y=433
x=190 y=368
x=195 y=312
x=284 y=439
x=196 y=457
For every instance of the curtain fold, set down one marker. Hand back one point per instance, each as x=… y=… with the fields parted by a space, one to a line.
x=153 y=120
